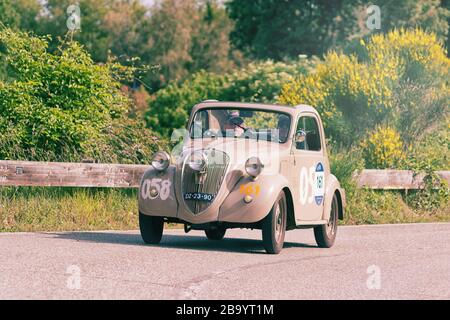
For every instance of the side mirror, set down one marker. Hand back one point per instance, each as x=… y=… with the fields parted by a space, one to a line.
x=300 y=137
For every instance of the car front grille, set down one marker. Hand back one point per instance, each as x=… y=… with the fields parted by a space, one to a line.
x=208 y=182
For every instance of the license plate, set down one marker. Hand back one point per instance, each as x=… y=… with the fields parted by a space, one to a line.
x=198 y=196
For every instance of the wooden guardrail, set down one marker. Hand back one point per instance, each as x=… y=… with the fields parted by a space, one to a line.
x=393 y=179
x=56 y=174
x=59 y=174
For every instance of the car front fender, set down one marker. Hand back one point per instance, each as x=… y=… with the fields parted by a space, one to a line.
x=264 y=191
x=332 y=187
x=165 y=203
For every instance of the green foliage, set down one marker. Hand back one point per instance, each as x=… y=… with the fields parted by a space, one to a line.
x=33 y=209
x=354 y=95
x=374 y=207
x=383 y=149
x=8 y=15
x=128 y=141
x=258 y=82
x=284 y=29
x=366 y=206
x=59 y=106
x=434 y=195
x=186 y=37
x=171 y=39
x=430 y=154
x=279 y=29
x=417 y=108
x=432 y=150
x=429 y=15
x=344 y=164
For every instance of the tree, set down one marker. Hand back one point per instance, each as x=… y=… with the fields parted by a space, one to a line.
x=61 y=106
x=279 y=29
x=187 y=36
x=8 y=15
x=429 y=15
x=211 y=48
x=178 y=36
x=446 y=6
x=257 y=82
x=93 y=34
x=29 y=12
x=402 y=81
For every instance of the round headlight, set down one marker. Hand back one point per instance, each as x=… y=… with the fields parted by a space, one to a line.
x=161 y=161
x=254 y=167
x=198 y=161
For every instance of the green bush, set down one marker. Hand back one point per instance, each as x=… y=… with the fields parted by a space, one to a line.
x=61 y=106
x=258 y=82
x=344 y=164
x=427 y=155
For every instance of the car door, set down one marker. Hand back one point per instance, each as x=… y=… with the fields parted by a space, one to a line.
x=309 y=168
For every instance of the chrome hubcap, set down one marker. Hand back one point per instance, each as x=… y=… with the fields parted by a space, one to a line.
x=278 y=221
x=331 y=225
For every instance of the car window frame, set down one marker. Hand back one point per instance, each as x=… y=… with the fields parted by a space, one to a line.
x=318 y=123
x=288 y=138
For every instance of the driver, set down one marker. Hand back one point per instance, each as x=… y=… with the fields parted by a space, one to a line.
x=233 y=125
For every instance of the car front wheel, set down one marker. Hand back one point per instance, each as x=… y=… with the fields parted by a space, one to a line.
x=151 y=228
x=274 y=226
x=326 y=234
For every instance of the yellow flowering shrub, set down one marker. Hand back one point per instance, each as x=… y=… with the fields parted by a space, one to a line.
x=383 y=148
x=410 y=54
x=341 y=87
x=354 y=94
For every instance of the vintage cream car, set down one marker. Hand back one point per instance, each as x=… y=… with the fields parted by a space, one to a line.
x=245 y=165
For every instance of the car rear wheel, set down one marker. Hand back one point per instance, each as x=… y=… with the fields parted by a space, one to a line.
x=274 y=226
x=216 y=233
x=326 y=234
x=151 y=228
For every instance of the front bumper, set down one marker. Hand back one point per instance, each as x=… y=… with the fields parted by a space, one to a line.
x=229 y=205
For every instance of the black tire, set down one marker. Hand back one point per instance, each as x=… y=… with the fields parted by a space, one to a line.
x=215 y=234
x=326 y=234
x=274 y=226
x=151 y=228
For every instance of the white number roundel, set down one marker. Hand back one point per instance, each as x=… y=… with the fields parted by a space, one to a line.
x=312 y=184
x=161 y=186
x=304 y=185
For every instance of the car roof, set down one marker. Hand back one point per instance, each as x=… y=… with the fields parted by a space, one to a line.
x=293 y=110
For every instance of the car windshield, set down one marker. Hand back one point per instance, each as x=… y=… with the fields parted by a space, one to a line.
x=241 y=123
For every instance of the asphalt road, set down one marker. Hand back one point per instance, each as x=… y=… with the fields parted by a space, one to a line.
x=367 y=262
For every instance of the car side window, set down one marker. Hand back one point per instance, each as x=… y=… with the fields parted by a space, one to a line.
x=310 y=126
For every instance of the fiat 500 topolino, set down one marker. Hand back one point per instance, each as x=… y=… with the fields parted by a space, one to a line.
x=245 y=165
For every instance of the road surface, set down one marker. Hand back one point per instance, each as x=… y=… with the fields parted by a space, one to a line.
x=367 y=262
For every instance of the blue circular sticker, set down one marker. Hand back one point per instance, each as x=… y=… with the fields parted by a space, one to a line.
x=319 y=184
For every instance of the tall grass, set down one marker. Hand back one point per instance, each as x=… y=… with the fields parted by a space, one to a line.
x=74 y=209
x=67 y=209
x=366 y=206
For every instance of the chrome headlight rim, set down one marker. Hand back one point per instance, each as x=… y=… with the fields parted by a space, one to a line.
x=198 y=161
x=254 y=166
x=161 y=161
